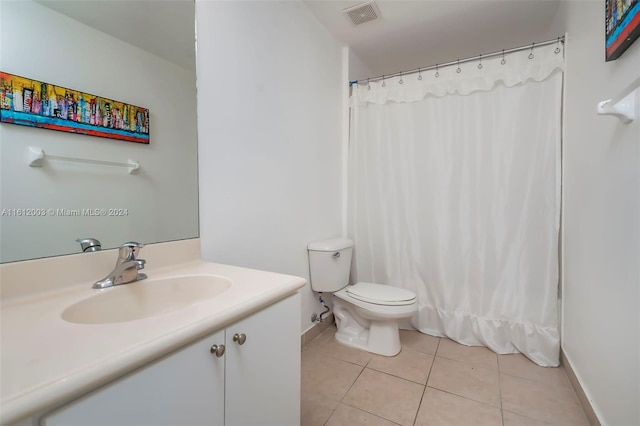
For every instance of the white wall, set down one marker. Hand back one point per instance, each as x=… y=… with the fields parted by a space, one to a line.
x=39 y=43
x=357 y=69
x=270 y=92
x=601 y=296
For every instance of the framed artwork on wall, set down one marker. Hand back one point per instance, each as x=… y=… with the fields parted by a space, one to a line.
x=29 y=102
x=622 y=26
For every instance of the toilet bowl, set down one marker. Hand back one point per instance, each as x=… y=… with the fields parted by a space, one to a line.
x=367 y=314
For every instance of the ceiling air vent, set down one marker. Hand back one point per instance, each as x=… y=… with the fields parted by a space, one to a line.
x=363 y=12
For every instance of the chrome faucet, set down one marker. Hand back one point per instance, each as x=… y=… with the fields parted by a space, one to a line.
x=126 y=269
x=89 y=244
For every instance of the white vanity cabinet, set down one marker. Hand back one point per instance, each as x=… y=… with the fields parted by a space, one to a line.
x=256 y=381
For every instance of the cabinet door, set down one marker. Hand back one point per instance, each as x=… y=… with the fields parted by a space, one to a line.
x=263 y=374
x=185 y=387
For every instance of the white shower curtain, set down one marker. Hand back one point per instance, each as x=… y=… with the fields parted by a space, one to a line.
x=454 y=193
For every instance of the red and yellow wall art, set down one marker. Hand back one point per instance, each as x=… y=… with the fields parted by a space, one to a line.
x=33 y=103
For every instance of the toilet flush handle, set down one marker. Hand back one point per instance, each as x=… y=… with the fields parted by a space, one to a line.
x=336 y=254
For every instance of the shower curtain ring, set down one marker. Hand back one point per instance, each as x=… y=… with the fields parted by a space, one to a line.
x=384 y=84
x=437 y=72
x=480 y=63
x=368 y=85
x=419 y=74
x=531 y=52
x=503 y=61
x=557 y=49
x=458 y=70
x=400 y=82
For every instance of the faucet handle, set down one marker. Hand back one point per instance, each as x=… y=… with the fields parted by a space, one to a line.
x=129 y=250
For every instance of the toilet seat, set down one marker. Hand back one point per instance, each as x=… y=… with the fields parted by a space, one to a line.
x=379 y=294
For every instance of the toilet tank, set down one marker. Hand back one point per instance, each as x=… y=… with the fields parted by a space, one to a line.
x=330 y=263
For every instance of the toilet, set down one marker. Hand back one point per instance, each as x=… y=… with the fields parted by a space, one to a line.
x=366 y=314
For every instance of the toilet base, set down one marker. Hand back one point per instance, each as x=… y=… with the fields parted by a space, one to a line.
x=386 y=342
x=381 y=337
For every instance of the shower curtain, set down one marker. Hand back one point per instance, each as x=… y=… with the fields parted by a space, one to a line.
x=454 y=189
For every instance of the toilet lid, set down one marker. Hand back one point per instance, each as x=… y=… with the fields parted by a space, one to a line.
x=381 y=294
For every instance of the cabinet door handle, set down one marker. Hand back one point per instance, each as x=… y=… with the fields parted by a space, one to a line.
x=218 y=350
x=240 y=338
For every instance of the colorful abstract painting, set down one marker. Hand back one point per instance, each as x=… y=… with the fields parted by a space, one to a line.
x=33 y=103
x=622 y=26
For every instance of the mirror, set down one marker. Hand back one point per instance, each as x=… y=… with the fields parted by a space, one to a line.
x=137 y=52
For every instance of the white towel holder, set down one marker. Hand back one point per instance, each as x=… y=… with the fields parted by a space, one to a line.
x=37 y=157
x=625 y=106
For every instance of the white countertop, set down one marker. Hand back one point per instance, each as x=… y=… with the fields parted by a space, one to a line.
x=46 y=361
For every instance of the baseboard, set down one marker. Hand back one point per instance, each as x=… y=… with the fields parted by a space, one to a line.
x=309 y=335
x=577 y=387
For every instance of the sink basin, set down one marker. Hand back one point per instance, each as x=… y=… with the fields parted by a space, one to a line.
x=144 y=299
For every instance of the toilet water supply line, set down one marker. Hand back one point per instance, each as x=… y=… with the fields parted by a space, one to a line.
x=326 y=308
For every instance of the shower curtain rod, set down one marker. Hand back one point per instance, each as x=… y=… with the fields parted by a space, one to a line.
x=459 y=61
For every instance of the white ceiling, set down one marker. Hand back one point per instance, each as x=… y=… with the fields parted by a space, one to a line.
x=410 y=34
x=420 y=33
x=163 y=27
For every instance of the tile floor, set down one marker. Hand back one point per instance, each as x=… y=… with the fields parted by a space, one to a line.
x=432 y=381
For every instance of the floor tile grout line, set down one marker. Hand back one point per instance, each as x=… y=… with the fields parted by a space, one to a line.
x=464 y=397
x=368 y=412
x=500 y=390
x=415 y=418
x=381 y=372
x=331 y=415
x=566 y=386
x=397 y=377
x=354 y=382
x=345 y=394
x=467 y=362
x=545 y=382
x=400 y=377
x=434 y=361
x=346 y=360
x=528 y=417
